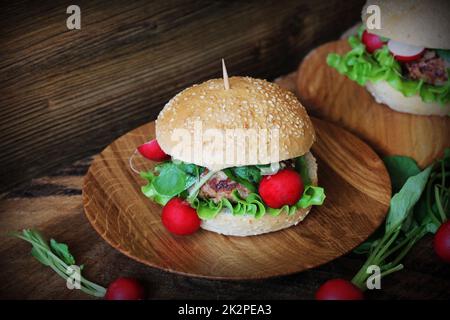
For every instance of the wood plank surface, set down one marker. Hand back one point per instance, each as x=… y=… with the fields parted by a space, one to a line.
x=334 y=97
x=68 y=93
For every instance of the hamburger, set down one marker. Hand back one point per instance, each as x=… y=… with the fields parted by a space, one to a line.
x=405 y=63
x=239 y=194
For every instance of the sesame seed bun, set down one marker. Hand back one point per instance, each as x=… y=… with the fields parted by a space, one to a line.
x=247 y=225
x=248 y=104
x=384 y=93
x=420 y=23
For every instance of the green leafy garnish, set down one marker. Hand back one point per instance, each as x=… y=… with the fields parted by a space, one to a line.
x=403 y=202
x=177 y=178
x=174 y=178
x=400 y=169
x=57 y=256
x=253 y=204
x=62 y=251
x=149 y=189
x=444 y=54
x=170 y=181
x=241 y=179
x=361 y=66
x=302 y=169
x=420 y=206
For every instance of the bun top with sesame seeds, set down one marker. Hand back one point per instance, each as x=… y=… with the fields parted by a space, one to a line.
x=253 y=122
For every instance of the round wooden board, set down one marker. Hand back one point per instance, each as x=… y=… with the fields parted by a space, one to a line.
x=334 y=97
x=358 y=195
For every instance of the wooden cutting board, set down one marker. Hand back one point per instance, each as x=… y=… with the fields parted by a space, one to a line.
x=334 y=97
x=358 y=193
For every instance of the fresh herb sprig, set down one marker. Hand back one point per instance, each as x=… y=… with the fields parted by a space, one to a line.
x=57 y=256
x=420 y=205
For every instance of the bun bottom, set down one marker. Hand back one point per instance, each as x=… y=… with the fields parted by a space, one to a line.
x=227 y=224
x=247 y=225
x=384 y=93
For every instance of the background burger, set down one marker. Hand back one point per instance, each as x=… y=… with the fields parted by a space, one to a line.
x=404 y=64
x=236 y=198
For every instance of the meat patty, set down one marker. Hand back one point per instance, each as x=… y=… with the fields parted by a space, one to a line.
x=430 y=68
x=219 y=186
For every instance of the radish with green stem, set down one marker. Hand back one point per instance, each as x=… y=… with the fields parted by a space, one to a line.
x=420 y=206
x=57 y=256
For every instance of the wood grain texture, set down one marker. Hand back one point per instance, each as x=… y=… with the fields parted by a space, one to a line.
x=53 y=204
x=358 y=194
x=65 y=94
x=334 y=97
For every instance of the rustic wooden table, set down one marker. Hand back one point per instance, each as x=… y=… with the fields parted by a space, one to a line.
x=117 y=87
x=53 y=205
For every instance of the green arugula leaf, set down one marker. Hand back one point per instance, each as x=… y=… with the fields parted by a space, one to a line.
x=62 y=251
x=249 y=173
x=433 y=208
x=444 y=54
x=420 y=207
x=174 y=177
x=403 y=202
x=57 y=256
x=246 y=183
x=302 y=168
x=149 y=190
x=400 y=168
x=170 y=181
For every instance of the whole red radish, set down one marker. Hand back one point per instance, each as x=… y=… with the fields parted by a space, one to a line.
x=283 y=188
x=339 y=289
x=125 y=289
x=442 y=242
x=371 y=41
x=152 y=151
x=179 y=217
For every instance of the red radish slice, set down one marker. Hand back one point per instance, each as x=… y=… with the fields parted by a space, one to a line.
x=404 y=52
x=371 y=41
x=152 y=151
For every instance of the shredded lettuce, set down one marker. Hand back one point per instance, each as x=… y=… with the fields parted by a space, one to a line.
x=209 y=208
x=361 y=66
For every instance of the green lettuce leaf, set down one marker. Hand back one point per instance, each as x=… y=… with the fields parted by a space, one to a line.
x=253 y=204
x=302 y=169
x=149 y=189
x=176 y=177
x=360 y=66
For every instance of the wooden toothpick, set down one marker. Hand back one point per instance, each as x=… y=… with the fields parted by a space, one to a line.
x=226 y=83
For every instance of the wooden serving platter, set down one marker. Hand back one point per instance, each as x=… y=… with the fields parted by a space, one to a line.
x=358 y=194
x=334 y=97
